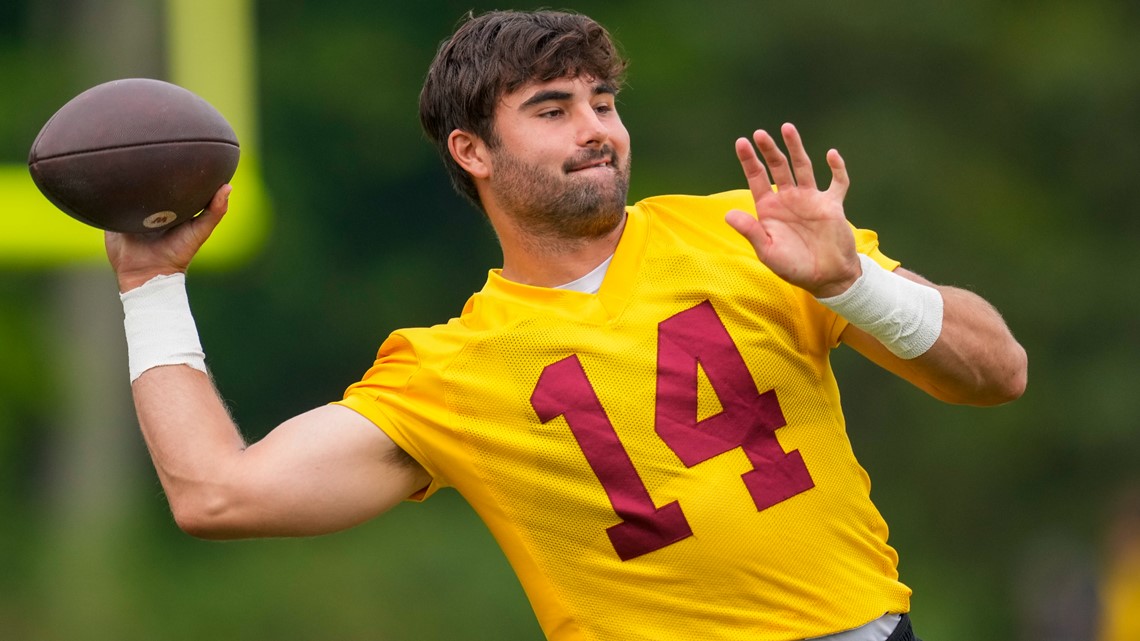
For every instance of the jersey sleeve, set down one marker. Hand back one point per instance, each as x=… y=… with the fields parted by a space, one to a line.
x=395 y=396
x=866 y=242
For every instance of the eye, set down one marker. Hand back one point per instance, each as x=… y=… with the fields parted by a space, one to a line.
x=550 y=113
x=603 y=108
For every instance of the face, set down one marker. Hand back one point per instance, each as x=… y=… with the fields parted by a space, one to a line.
x=560 y=167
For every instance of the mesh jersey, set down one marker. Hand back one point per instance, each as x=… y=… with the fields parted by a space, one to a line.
x=663 y=460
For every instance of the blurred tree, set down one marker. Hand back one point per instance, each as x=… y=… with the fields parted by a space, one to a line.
x=91 y=464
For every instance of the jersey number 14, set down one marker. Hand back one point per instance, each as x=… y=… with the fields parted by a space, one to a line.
x=748 y=420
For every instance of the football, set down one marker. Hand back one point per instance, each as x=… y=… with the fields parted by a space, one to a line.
x=134 y=155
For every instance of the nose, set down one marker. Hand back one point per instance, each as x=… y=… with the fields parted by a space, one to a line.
x=592 y=132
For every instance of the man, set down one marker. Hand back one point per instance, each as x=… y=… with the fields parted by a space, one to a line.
x=638 y=404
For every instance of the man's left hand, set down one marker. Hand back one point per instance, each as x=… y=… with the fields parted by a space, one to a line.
x=800 y=232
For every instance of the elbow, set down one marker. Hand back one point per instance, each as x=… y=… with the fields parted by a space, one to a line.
x=1019 y=380
x=1013 y=377
x=203 y=515
x=1006 y=383
x=997 y=383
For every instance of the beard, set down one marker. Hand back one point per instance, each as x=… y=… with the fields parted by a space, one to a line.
x=563 y=205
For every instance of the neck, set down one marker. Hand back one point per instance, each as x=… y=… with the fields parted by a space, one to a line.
x=545 y=262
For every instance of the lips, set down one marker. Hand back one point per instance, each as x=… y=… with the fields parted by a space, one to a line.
x=605 y=161
x=603 y=157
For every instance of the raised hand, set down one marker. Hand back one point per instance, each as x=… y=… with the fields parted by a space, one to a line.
x=136 y=258
x=800 y=232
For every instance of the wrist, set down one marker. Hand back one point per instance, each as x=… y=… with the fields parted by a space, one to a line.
x=159 y=327
x=905 y=316
x=134 y=280
x=838 y=287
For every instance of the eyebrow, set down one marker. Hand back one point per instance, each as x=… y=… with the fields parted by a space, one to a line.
x=556 y=95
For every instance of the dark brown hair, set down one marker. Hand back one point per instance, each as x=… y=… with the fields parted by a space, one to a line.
x=496 y=53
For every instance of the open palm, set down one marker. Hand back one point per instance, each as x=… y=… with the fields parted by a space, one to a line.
x=800 y=232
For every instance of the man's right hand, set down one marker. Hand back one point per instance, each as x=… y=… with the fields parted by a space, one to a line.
x=137 y=258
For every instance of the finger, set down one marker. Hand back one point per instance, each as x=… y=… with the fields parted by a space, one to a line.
x=203 y=225
x=777 y=162
x=801 y=164
x=750 y=228
x=221 y=200
x=840 y=181
x=112 y=243
x=744 y=224
x=754 y=172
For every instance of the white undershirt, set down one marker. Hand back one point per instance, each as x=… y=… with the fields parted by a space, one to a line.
x=590 y=283
x=879 y=629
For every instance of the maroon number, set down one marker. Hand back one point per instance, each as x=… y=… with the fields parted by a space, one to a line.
x=748 y=420
x=564 y=390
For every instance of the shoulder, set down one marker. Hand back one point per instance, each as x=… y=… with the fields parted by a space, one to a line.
x=418 y=346
x=695 y=221
x=711 y=205
x=705 y=214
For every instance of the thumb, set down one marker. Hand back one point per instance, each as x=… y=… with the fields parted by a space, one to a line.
x=752 y=230
x=745 y=225
x=203 y=224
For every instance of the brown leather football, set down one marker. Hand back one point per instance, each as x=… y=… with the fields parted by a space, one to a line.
x=134 y=155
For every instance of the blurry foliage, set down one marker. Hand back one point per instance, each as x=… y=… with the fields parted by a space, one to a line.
x=992 y=146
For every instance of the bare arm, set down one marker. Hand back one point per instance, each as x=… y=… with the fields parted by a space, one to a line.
x=322 y=471
x=801 y=233
x=325 y=470
x=975 y=361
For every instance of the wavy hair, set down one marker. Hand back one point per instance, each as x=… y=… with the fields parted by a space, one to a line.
x=495 y=53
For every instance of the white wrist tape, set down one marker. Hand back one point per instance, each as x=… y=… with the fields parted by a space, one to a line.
x=160 y=328
x=904 y=315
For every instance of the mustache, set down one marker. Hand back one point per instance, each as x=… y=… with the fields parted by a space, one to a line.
x=590 y=156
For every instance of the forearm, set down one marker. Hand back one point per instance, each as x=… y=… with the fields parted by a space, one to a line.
x=190 y=435
x=192 y=440
x=976 y=359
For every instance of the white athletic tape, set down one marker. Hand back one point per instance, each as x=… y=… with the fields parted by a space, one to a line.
x=160 y=328
x=904 y=315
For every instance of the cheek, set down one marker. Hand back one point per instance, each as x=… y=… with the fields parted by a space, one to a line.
x=619 y=137
x=535 y=145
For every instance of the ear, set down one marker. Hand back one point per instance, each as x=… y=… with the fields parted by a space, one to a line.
x=470 y=152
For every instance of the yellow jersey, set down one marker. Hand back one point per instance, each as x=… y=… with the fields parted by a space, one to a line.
x=663 y=460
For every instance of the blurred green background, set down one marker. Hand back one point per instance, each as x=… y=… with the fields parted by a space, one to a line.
x=992 y=145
